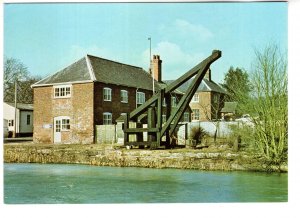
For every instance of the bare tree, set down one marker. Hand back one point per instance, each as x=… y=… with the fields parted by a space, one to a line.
x=16 y=72
x=268 y=104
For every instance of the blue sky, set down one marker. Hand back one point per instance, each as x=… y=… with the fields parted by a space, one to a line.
x=49 y=37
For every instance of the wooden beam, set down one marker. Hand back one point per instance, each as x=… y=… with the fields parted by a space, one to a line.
x=137 y=130
x=216 y=54
x=141 y=109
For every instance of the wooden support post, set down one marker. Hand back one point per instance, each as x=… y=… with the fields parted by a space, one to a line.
x=168 y=114
x=151 y=124
x=139 y=135
x=161 y=95
x=126 y=125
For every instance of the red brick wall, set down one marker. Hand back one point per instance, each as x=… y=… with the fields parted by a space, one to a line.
x=42 y=114
x=79 y=107
x=85 y=108
x=116 y=107
x=82 y=113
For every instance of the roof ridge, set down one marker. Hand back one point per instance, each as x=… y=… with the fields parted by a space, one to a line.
x=117 y=62
x=205 y=82
x=90 y=68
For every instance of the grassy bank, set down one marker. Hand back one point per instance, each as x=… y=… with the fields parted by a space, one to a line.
x=212 y=158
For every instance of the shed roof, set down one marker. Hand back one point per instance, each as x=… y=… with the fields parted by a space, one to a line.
x=21 y=106
x=92 y=68
x=229 y=107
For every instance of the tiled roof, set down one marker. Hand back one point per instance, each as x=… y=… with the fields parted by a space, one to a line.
x=205 y=86
x=91 y=68
x=112 y=72
x=21 y=106
x=77 y=71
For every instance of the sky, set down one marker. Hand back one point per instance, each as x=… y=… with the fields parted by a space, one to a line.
x=48 y=37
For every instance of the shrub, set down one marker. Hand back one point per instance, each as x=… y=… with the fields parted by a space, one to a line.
x=197 y=134
x=244 y=133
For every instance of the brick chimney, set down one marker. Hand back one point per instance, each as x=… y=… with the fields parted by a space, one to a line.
x=156 y=67
x=208 y=74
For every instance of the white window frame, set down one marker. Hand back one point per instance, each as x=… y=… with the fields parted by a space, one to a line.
x=62 y=91
x=194 y=115
x=195 y=97
x=186 y=117
x=164 y=118
x=124 y=96
x=174 y=101
x=107 y=94
x=65 y=124
x=140 y=98
x=105 y=120
x=164 y=104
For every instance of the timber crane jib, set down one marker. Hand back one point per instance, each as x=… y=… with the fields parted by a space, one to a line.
x=153 y=108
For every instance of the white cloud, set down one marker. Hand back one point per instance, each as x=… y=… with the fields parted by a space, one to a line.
x=175 y=60
x=193 y=30
x=182 y=31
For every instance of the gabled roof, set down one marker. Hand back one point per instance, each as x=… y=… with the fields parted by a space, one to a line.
x=77 y=71
x=112 y=72
x=205 y=86
x=92 y=68
x=229 y=107
x=21 y=106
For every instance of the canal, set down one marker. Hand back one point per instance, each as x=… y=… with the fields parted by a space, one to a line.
x=57 y=183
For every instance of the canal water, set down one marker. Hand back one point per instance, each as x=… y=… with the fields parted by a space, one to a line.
x=55 y=183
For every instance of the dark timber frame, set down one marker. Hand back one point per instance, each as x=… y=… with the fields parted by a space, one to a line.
x=154 y=106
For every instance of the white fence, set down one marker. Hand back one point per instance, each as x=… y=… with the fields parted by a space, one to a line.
x=109 y=134
x=105 y=134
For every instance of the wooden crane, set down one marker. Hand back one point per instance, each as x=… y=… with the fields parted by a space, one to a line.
x=154 y=108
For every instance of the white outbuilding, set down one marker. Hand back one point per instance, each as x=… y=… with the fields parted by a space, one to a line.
x=24 y=118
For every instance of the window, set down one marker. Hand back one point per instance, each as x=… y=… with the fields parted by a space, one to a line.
x=195 y=97
x=107 y=118
x=10 y=122
x=195 y=114
x=186 y=117
x=124 y=96
x=65 y=124
x=216 y=98
x=62 y=91
x=164 y=103
x=140 y=97
x=57 y=125
x=174 y=102
x=28 y=119
x=164 y=118
x=107 y=94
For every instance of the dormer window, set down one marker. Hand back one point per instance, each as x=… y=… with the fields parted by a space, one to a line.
x=63 y=91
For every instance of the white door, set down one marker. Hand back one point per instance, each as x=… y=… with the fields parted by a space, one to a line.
x=57 y=129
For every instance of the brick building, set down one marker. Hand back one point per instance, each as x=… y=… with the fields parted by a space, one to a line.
x=92 y=91
x=208 y=100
